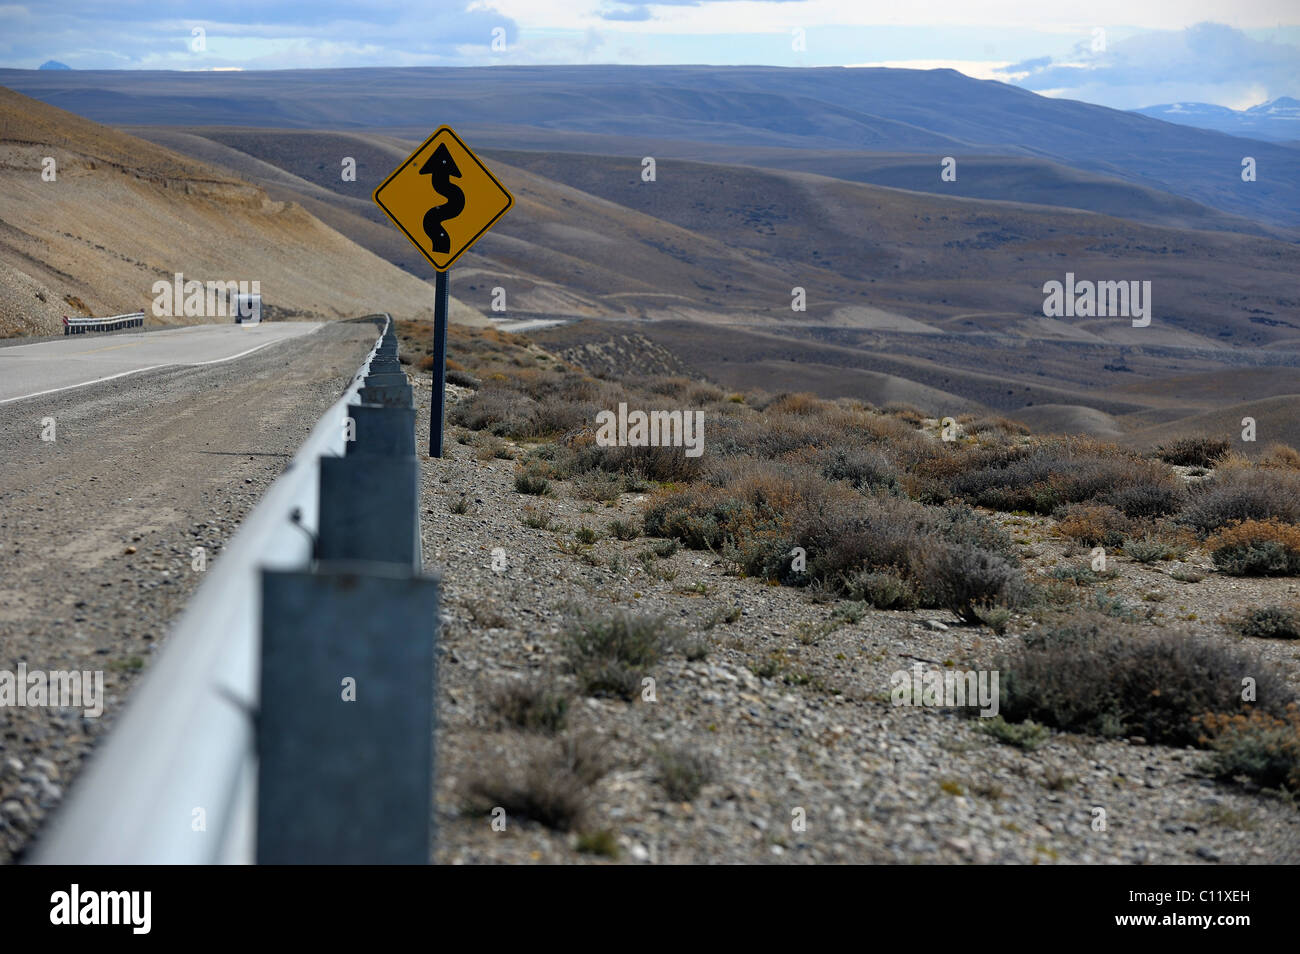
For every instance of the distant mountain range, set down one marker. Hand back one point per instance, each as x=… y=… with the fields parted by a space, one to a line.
x=1278 y=121
x=930 y=113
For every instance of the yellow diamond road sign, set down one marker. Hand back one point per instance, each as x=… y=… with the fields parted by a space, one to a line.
x=443 y=198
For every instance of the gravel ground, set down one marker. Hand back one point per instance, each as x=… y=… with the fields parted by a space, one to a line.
x=819 y=739
x=808 y=763
x=97 y=528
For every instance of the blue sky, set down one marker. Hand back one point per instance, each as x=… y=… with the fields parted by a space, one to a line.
x=1120 y=53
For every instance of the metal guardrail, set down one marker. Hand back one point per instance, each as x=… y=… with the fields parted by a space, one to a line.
x=78 y=326
x=177 y=779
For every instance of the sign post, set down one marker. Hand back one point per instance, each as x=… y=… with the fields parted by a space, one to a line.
x=442 y=219
x=437 y=412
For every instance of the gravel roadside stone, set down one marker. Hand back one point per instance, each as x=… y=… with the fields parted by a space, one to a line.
x=808 y=759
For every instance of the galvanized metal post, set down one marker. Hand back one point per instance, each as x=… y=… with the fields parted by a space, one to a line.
x=345 y=727
x=436 y=408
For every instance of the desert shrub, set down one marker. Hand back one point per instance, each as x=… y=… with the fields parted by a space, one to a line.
x=1001 y=425
x=801 y=403
x=611 y=654
x=863 y=468
x=966 y=579
x=1240 y=494
x=462 y=378
x=623 y=529
x=758 y=513
x=598 y=485
x=667 y=464
x=1152 y=549
x=1039 y=478
x=1026 y=735
x=1094 y=674
x=504 y=413
x=843 y=536
x=682 y=773
x=1083 y=575
x=959 y=524
x=1257 y=548
x=1114 y=606
x=554 y=788
x=1280 y=455
x=756 y=498
x=532 y=706
x=1261 y=746
x=558 y=414
x=530 y=482
x=1270 y=622
x=1147 y=501
x=699 y=394
x=535 y=518
x=901 y=409
x=995 y=618
x=1093 y=525
x=670 y=386
x=1193 y=451
x=489 y=447
x=883 y=590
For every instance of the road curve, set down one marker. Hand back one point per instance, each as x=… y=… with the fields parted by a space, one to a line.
x=44 y=367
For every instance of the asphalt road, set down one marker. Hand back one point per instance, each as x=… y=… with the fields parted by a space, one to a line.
x=100 y=516
x=48 y=366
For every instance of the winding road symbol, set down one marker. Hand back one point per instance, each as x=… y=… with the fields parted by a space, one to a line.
x=473 y=199
x=442 y=167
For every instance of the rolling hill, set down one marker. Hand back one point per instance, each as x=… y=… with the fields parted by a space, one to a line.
x=122 y=213
x=931 y=112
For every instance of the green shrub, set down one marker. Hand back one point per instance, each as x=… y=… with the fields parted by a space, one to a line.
x=1262 y=747
x=995 y=618
x=1270 y=622
x=623 y=530
x=664 y=548
x=528 y=482
x=531 y=706
x=535 y=518
x=682 y=773
x=1023 y=735
x=883 y=590
x=611 y=654
x=1257 y=548
x=1151 y=550
x=603 y=843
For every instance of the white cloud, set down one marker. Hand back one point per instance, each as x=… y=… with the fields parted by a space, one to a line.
x=1208 y=62
x=976 y=69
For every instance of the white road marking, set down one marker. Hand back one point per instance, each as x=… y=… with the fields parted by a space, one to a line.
x=153 y=367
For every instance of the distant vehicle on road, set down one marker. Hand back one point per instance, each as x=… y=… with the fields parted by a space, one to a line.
x=247 y=309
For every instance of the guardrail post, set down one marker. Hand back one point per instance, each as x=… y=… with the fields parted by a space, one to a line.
x=368 y=508
x=345 y=729
x=385 y=431
x=395 y=395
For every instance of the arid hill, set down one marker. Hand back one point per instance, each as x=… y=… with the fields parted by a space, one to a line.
x=122 y=213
